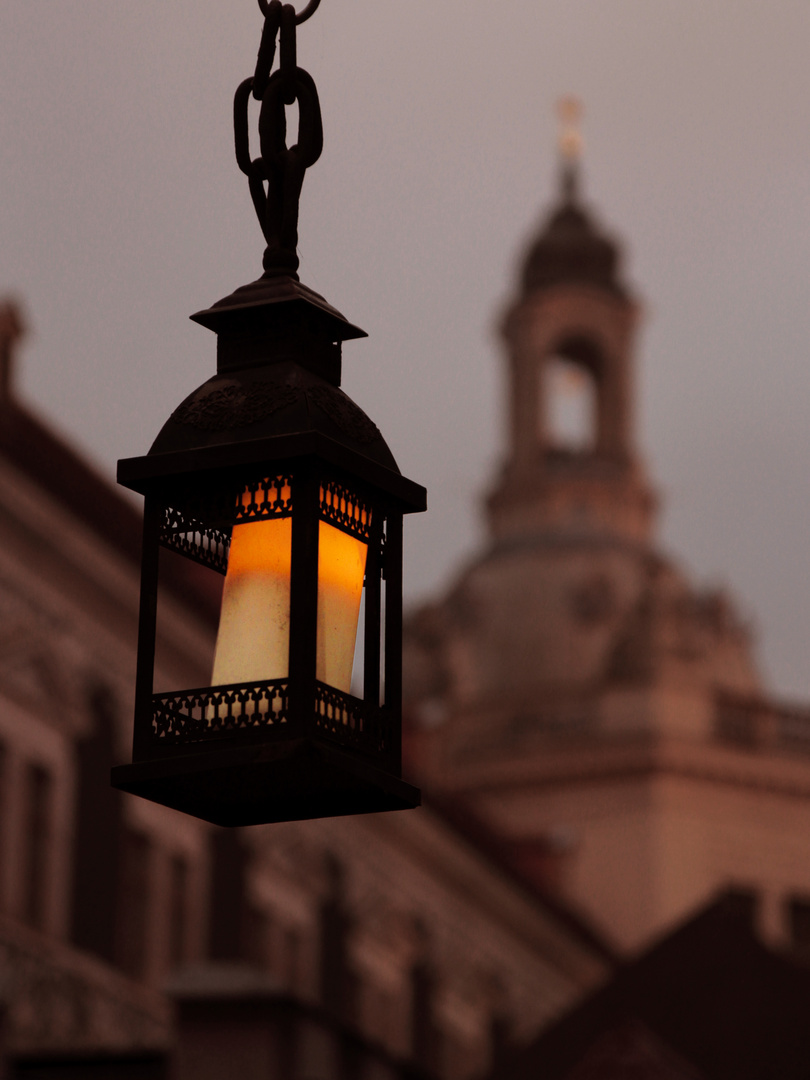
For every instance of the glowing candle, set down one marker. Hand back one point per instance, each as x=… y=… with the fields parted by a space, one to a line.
x=253 y=642
x=341 y=570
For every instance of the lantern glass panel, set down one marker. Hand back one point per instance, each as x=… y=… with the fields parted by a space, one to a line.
x=341 y=571
x=253 y=642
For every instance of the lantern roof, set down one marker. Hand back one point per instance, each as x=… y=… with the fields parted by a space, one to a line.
x=276 y=395
x=272 y=299
x=571 y=247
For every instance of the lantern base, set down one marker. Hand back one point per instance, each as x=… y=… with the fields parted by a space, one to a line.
x=255 y=785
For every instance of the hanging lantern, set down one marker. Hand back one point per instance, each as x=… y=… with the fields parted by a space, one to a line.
x=271 y=476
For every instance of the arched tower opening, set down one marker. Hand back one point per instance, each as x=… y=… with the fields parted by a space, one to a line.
x=571 y=410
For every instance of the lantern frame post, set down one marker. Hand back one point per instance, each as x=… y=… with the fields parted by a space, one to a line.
x=147 y=629
x=304 y=591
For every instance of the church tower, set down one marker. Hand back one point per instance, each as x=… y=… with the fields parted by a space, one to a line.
x=603 y=718
x=571 y=468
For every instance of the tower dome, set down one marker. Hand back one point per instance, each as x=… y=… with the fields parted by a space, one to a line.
x=570 y=248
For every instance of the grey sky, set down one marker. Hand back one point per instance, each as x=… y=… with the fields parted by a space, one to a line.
x=123 y=212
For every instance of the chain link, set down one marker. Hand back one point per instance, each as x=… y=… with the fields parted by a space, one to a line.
x=280 y=167
x=309 y=10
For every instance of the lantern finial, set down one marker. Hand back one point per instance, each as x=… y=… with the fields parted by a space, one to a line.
x=570 y=143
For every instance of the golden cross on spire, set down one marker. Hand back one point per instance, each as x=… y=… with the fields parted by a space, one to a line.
x=569 y=111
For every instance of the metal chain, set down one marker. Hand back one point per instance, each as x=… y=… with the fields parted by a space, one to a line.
x=278 y=166
x=310 y=9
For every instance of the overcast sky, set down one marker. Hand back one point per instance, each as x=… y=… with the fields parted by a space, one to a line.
x=123 y=212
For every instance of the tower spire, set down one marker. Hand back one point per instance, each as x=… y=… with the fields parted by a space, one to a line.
x=571 y=469
x=570 y=145
x=570 y=246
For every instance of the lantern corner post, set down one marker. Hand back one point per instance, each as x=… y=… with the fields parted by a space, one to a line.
x=304 y=598
x=147 y=628
x=372 y=630
x=393 y=632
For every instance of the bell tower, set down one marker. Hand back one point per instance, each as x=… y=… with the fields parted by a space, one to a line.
x=572 y=688
x=571 y=467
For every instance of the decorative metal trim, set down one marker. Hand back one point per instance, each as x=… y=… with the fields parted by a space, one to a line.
x=235 y=405
x=216 y=712
x=348 y=721
x=343 y=412
x=269 y=497
x=185 y=531
x=194 y=540
x=342 y=507
x=219 y=712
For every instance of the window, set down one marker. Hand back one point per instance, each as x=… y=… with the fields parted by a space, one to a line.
x=499 y=1041
x=424 y=1033
x=39 y=795
x=3 y=820
x=134 y=907
x=258 y=934
x=178 y=910
x=288 y=966
x=798 y=918
x=337 y=986
x=228 y=926
x=97 y=834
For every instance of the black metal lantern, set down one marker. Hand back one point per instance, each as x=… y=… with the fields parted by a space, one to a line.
x=272 y=476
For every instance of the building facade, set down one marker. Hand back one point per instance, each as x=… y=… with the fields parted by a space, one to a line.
x=592 y=735
x=604 y=717
x=379 y=947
